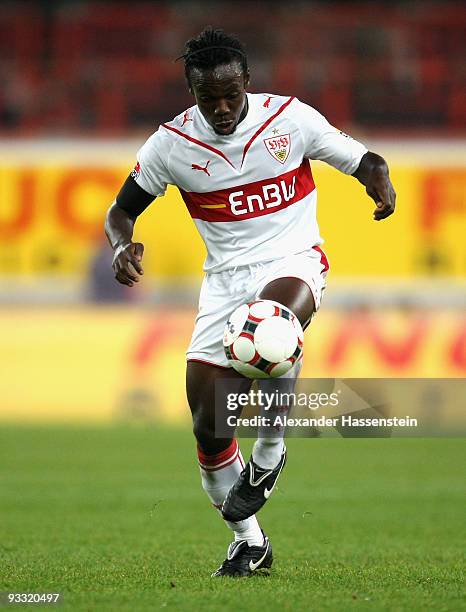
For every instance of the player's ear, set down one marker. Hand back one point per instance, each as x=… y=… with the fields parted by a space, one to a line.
x=188 y=83
x=247 y=79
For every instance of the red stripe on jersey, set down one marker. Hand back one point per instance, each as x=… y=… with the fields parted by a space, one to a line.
x=264 y=126
x=253 y=199
x=198 y=142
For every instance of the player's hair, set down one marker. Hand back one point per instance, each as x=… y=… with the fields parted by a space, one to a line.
x=213 y=48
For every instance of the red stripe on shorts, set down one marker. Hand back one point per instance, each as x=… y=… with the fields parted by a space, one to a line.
x=323 y=258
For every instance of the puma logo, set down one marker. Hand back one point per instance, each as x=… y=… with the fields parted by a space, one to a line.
x=186 y=118
x=201 y=168
x=267 y=102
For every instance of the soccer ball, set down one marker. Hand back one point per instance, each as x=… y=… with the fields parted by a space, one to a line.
x=263 y=339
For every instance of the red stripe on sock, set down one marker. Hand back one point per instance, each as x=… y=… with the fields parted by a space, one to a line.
x=215 y=468
x=214 y=460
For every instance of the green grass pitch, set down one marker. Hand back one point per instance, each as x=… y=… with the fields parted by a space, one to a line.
x=115 y=519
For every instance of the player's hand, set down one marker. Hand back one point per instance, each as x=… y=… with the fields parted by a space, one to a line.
x=373 y=174
x=127 y=263
x=380 y=189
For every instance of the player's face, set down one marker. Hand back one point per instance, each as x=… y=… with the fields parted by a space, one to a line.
x=221 y=95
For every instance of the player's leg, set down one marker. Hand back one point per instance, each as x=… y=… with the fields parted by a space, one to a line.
x=269 y=450
x=201 y=379
x=221 y=463
x=257 y=480
x=296 y=295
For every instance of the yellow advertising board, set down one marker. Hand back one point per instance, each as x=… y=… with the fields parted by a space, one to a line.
x=104 y=364
x=52 y=214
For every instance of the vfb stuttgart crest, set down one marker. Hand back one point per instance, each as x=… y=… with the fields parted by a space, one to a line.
x=279 y=147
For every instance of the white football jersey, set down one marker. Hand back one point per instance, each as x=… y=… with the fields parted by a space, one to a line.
x=251 y=194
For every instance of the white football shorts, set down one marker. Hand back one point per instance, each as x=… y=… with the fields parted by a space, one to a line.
x=222 y=292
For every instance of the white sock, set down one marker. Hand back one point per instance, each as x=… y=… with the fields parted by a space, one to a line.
x=266 y=452
x=219 y=473
x=269 y=446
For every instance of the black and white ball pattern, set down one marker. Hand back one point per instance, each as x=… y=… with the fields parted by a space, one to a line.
x=263 y=339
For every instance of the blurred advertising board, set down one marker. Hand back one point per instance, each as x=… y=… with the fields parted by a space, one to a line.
x=53 y=207
x=100 y=364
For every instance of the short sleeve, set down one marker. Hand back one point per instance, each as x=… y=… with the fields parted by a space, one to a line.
x=326 y=143
x=151 y=172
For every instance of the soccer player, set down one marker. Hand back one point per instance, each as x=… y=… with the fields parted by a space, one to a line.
x=241 y=164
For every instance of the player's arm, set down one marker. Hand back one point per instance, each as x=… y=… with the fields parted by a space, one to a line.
x=372 y=172
x=324 y=142
x=119 y=226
